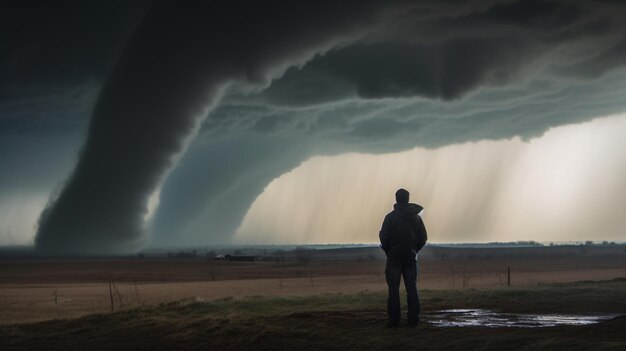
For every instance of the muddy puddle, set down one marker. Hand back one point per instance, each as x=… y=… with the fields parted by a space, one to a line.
x=490 y=319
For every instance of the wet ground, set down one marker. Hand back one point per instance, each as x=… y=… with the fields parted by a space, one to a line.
x=490 y=319
x=202 y=326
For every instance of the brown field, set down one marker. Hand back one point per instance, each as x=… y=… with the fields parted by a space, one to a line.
x=42 y=289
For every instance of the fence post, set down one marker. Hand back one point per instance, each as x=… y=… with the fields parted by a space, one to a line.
x=508 y=276
x=136 y=293
x=111 y=294
x=119 y=295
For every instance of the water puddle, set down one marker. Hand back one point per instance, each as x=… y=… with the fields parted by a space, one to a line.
x=490 y=319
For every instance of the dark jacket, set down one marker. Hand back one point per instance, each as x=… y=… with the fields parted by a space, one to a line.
x=403 y=233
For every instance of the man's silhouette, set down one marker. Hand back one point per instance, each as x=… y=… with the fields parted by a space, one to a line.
x=401 y=237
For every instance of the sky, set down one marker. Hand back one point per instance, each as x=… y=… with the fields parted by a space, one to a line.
x=154 y=123
x=563 y=186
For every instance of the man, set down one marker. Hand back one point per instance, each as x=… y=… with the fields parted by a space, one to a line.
x=402 y=236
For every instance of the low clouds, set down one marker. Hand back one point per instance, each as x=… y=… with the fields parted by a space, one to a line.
x=605 y=61
x=443 y=71
x=325 y=78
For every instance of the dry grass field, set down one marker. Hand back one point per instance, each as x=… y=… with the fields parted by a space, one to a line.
x=34 y=289
x=337 y=322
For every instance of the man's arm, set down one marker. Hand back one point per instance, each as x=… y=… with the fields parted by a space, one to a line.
x=385 y=232
x=422 y=236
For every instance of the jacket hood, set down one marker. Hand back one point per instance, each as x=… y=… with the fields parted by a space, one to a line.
x=408 y=209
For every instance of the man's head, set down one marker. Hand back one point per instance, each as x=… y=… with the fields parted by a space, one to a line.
x=402 y=196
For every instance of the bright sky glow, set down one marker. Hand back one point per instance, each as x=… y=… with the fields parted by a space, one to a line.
x=567 y=185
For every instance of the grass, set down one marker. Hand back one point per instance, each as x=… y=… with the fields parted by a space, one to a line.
x=334 y=322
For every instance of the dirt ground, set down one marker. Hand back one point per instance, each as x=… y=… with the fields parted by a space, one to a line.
x=36 y=290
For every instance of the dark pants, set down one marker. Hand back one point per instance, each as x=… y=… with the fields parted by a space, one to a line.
x=408 y=270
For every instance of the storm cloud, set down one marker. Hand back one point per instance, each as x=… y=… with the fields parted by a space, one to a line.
x=173 y=69
x=249 y=90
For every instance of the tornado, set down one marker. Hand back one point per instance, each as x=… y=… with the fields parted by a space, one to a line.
x=173 y=70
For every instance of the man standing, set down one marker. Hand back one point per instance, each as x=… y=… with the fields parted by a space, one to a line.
x=401 y=237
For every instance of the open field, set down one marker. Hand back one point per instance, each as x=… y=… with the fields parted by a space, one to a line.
x=42 y=289
x=336 y=322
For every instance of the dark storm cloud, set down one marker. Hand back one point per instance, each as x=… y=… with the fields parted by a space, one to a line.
x=62 y=112
x=612 y=58
x=307 y=88
x=173 y=69
x=484 y=73
x=53 y=58
x=465 y=53
x=532 y=14
x=54 y=44
x=358 y=76
x=445 y=71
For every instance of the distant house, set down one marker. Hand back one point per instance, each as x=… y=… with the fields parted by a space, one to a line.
x=240 y=258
